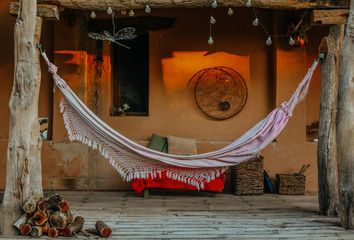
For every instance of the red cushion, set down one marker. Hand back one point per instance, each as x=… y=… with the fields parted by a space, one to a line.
x=138 y=185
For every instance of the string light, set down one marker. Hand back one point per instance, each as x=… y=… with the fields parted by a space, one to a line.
x=255 y=22
x=269 y=41
x=147 y=9
x=212 y=20
x=230 y=12
x=291 y=41
x=131 y=13
x=210 y=40
x=92 y=15
x=123 y=11
x=214 y=4
x=109 y=10
x=248 y=3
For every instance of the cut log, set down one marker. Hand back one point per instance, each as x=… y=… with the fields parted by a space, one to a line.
x=64 y=205
x=69 y=216
x=23 y=115
x=36 y=231
x=327 y=146
x=47 y=11
x=103 y=229
x=334 y=16
x=53 y=202
x=129 y=4
x=45 y=228
x=58 y=220
x=30 y=204
x=21 y=220
x=25 y=229
x=75 y=227
x=40 y=218
x=53 y=232
x=345 y=127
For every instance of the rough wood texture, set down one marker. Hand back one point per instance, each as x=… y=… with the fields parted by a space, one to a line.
x=47 y=11
x=345 y=127
x=103 y=229
x=127 y=4
x=335 y=16
x=24 y=144
x=75 y=227
x=327 y=146
x=197 y=216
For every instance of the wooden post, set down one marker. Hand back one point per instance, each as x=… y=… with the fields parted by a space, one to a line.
x=327 y=145
x=24 y=142
x=345 y=127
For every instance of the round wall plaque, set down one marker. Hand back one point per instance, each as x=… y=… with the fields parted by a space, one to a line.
x=219 y=92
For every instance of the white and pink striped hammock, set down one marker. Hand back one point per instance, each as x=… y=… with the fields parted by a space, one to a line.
x=133 y=160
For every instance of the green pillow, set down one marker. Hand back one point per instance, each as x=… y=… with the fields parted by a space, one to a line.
x=158 y=143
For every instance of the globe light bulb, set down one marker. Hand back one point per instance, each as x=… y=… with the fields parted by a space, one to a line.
x=210 y=40
x=109 y=10
x=214 y=4
x=147 y=9
x=92 y=14
x=248 y=3
x=212 y=20
x=255 y=22
x=230 y=12
x=123 y=11
x=269 y=41
x=291 y=41
x=131 y=13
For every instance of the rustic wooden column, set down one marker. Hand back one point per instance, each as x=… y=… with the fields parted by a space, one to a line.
x=345 y=127
x=327 y=145
x=24 y=143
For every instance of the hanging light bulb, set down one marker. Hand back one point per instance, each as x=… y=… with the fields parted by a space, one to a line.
x=269 y=41
x=255 y=22
x=92 y=14
x=291 y=41
x=212 y=20
x=147 y=9
x=109 y=10
x=123 y=11
x=214 y=4
x=230 y=12
x=210 y=40
x=131 y=13
x=248 y=3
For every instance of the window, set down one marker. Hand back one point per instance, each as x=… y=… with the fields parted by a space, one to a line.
x=131 y=77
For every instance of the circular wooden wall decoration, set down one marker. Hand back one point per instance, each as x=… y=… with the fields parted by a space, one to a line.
x=220 y=92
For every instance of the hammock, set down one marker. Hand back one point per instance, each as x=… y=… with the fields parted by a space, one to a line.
x=133 y=160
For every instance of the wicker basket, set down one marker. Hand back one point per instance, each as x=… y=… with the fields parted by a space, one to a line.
x=291 y=184
x=247 y=177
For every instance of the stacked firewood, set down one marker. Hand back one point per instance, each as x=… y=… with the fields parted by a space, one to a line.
x=52 y=216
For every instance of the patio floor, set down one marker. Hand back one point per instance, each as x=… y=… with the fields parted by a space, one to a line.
x=166 y=215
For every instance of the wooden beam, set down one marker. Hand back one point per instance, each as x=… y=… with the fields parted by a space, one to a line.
x=102 y=5
x=334 y=16
x=345 y=127
x=43 y=10
x=328 y=195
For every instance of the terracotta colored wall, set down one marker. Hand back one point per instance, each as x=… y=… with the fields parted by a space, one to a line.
x=175 y=55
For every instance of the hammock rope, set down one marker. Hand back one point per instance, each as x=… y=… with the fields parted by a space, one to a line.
x=133 y=160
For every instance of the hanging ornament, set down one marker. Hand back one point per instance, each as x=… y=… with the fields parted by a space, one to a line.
x=92 y=14
x=255 y=22
x=269 y=41
x=131 y=13
x=210 y=40
x=230 y=12
x=147 y=9
x=212 y=20
x=214 y=4
x=248 y=3
x=291 y=41
x=109 y=10
x=123 y=11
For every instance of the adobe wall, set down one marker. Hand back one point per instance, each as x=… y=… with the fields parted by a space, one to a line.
x=271 y=74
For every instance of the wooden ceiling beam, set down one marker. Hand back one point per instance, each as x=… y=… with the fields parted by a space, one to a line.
x=47 y=11
x=334 y=16
x=101 y=5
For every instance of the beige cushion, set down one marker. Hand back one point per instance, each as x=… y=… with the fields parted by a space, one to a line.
x=181 y=146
